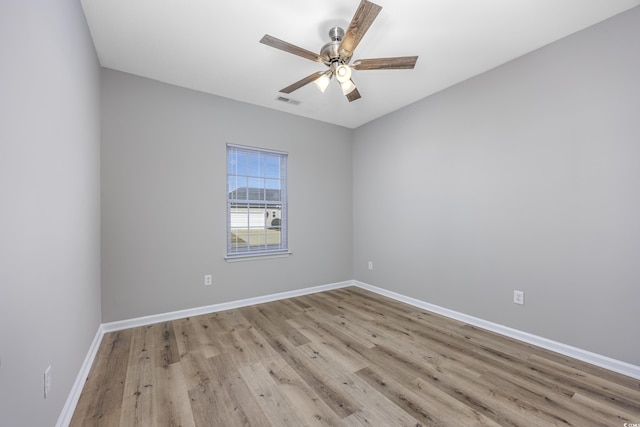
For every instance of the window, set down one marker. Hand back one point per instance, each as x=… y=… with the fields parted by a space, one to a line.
x=256 y=201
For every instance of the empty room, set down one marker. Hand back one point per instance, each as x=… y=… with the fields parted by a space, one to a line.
x=338 y=213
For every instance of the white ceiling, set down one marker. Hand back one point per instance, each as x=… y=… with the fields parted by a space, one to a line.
x=213 y=45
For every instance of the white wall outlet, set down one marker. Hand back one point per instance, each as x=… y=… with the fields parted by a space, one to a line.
x=370 y=265
x=47 y=381
x=208 y=280
x=518 y=297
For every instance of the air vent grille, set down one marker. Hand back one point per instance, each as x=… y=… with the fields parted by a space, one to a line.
x=288 y=100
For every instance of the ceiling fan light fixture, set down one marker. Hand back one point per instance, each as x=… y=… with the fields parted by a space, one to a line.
x=347 y=87
x=322 y=82
x=343 y=73
x=337 y=54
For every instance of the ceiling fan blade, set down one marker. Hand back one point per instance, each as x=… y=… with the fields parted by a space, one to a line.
x=360 y=23
x=398 y=63
x=290 y=48
x=297 y=85
x=353 y=95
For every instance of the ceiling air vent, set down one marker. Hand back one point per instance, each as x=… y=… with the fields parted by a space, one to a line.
x=288 y=100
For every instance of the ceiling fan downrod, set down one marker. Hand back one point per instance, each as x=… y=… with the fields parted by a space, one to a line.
x=336 y=34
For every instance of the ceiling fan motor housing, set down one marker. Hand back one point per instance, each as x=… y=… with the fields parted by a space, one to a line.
x=330 y=50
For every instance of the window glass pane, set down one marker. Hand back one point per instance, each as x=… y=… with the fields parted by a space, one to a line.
x=273 y=225
x=239 y=221
x=237 y=162
x=231 y=162
x=254 y=163
x=256 y=189
x=272 y=191
x=272 y=167
x=237 y=187
x=273 y=217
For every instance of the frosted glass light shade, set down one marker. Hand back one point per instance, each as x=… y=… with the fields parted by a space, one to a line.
x=322 y=82
x=343 y=73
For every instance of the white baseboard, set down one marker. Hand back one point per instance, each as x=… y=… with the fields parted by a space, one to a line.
x=614 y=365
x=74 y=395
x=190 y=312
x=72 y=400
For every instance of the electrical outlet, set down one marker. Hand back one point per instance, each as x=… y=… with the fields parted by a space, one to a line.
x=518 y=297
x=370 y=265
x=47 y=381
x=208 y=280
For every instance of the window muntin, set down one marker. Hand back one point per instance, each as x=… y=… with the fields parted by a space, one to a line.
x=256 y=201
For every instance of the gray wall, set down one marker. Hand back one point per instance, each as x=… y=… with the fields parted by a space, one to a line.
x=164 y=193
x=522 y=178
x=50 y=205
x=526 y=177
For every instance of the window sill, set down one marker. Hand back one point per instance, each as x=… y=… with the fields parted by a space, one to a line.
x=252 y=257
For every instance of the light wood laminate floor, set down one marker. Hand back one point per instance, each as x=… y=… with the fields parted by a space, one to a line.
x=345 y=357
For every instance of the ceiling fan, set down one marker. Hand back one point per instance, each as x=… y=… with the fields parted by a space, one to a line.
x=338 y=52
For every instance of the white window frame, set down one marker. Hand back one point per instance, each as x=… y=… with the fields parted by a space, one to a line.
x=254 y=194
